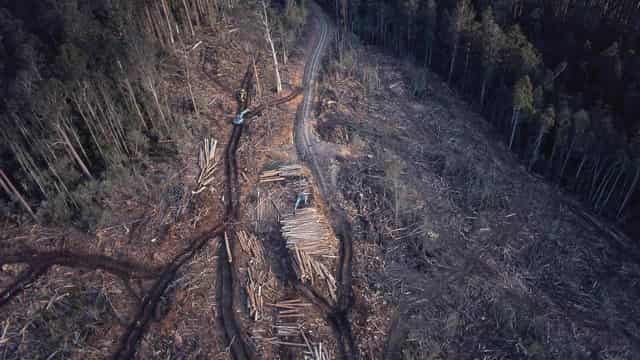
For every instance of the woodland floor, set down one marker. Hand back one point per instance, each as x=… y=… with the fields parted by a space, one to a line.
x=458 y=251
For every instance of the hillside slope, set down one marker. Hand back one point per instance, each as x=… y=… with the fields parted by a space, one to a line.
x=478 y=258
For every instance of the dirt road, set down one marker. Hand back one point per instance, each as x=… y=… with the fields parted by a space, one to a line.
x=305 y=142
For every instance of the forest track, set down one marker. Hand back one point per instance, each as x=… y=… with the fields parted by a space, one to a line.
x=40 y=262
x=225 y=281
x=338 y=315
x=146 y=311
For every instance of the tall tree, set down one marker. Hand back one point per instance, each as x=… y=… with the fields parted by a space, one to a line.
x=459 y=22
x=523 y=57
x=431 y=18
x=492 y=40
x=522 y=101
x=561 y=137
x=546 y=121
x=267 y=34
x=581 y=124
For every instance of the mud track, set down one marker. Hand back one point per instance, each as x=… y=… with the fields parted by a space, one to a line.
x=135 y=331
x=40 y=262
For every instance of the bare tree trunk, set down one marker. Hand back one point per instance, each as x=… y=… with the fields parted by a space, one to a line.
x=267 y=30
x=73 y=151
x=6 y=184
x=188 y=15
x=454 y=53
x=604 y=201
x=554 y=150
x=580 y=167
x=255 y=73
x=514 y=121
x=466 y=66
x=157 y=102
x=483 y=90
x=536 y=148
x=568 y=156
x=166 y=17
x=630 y=192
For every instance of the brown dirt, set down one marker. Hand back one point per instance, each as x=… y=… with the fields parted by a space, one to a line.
x=145 y=227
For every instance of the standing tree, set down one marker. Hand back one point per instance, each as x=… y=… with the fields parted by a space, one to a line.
x=523 y=57
x=547 y=121
x=267 y=33
x=492 y=43
x=581 y=123
x=459 y=22
x=522 y=100
x=563 y=124
x=431 y=18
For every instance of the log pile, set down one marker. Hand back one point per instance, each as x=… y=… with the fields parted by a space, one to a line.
x=259 y=279
x=289 y=330
x=258 y=288
x=288 y=326
x=308 y=237
x=250 y=245
x=206 y=164
x=316 y=352
x=282 y=173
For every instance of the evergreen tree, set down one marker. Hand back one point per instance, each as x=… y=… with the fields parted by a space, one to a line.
x=522 y=101
x=493 y=40
x=460 y=21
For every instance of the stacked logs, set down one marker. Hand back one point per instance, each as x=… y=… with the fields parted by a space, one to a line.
x=282 y=173
x=308 y=237
x=258 y=277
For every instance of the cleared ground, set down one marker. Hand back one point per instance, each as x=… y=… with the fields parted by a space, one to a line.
x=478 y=259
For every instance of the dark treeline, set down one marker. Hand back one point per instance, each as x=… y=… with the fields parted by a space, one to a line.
x=559 y=78
x=82 y=105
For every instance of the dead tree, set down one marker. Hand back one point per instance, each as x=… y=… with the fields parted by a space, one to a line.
x=267 y=30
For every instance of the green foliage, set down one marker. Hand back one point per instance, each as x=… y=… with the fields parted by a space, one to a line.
x=523 y=95
x=493 y=41
x=522 y=57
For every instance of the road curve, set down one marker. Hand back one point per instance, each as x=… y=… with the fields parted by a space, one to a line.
x=302 y=135
x=338 y=315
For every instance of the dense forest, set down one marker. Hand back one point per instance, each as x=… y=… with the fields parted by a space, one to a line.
x=83 y=108
x=559 y=80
